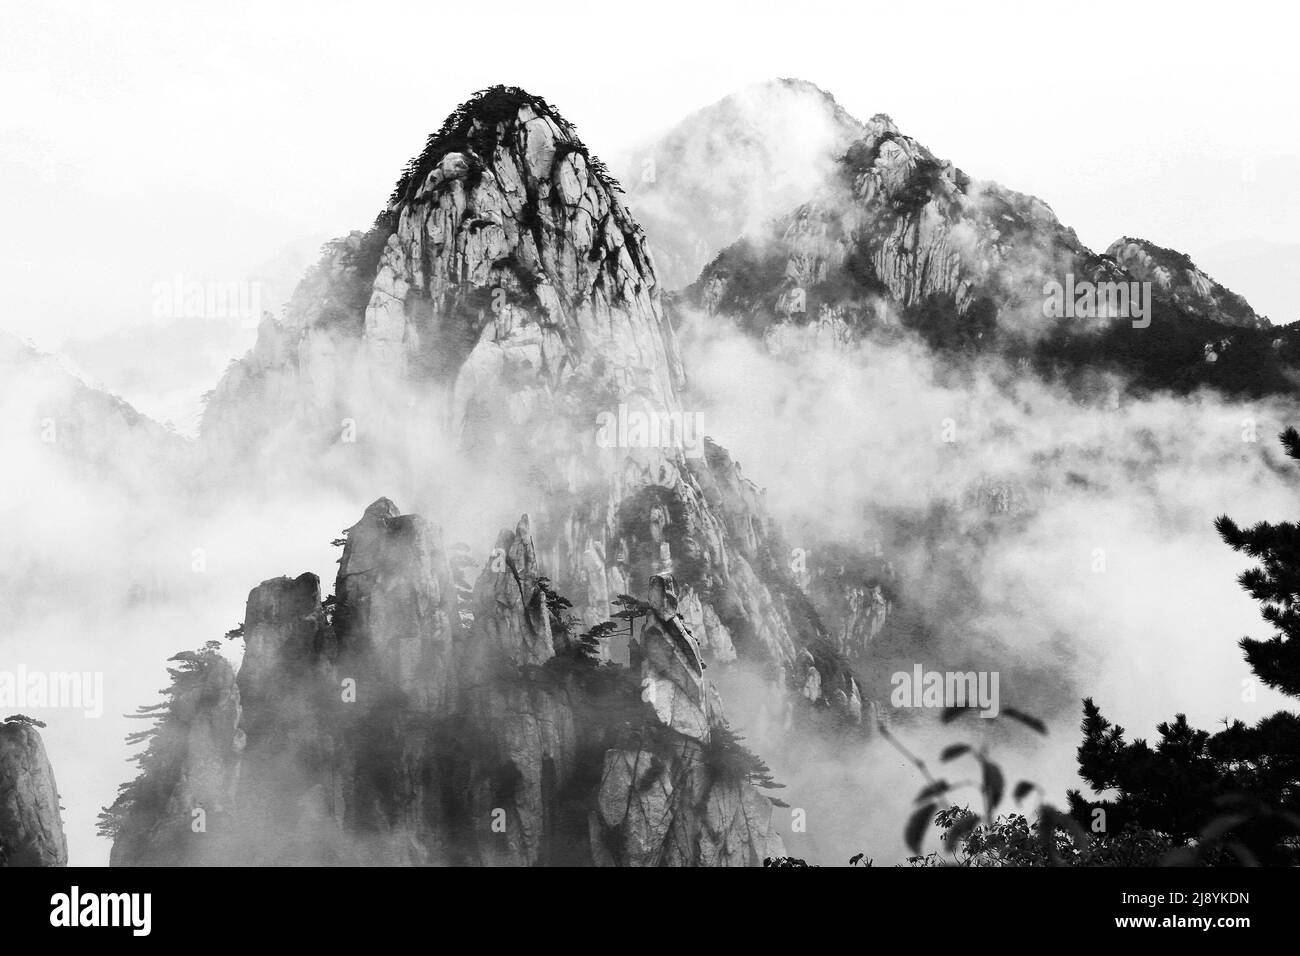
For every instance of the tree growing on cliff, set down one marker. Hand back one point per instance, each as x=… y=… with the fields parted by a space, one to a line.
x=165 y=741
x=24 y=719
x=726 y=755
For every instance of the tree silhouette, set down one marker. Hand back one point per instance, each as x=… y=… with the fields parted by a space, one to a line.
x=1233 y=794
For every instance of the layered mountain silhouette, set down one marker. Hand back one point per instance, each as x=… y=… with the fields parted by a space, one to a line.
x=504 y=303
x=898 y=240
x=560 y=694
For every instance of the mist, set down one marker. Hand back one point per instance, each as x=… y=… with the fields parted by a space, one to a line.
x=1065 y=542
x=1078 y=555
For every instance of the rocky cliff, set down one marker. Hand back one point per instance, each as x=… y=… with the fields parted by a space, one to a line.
x=898 y=245
x=407 y=721
x=505 y=308
x=898 y=240
x=1178 y=279
x=31 y=826
x=898 y=230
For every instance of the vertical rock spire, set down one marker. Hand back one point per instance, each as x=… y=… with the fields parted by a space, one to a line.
x=31 y=827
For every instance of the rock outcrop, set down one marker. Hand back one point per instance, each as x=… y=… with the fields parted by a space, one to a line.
x=1177 y=278
x=505 y=308
x=898 y=232
x=31 y=825
x=898 y=241
x=385 y=726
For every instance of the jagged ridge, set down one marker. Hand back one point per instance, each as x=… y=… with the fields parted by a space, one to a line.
x=900 y=238
x=383 y=727
x=519 y=303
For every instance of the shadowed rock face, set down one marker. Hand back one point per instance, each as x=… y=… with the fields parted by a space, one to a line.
x=394 y=727
x=31 y=827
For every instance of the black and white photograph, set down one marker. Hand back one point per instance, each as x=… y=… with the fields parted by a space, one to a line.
x=648 y=436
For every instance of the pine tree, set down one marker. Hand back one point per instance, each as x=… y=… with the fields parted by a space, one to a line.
x=1276 y=585
x=1235 y=793
x=165 y=741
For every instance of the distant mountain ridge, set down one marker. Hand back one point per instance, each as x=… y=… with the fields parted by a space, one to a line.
x=509 y=292
x=897 y=238
x=1178 y=278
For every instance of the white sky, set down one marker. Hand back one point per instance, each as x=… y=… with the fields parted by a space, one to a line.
x=139 y=141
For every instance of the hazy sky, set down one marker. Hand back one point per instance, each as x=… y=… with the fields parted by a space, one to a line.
x=142 y=140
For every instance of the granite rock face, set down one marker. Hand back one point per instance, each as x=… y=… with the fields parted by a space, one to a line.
x=898 y=243
x=1177 y=278
x=897 y=233
x=31 y=826
x=384 y=727
x=506 y=269
x=505 y=308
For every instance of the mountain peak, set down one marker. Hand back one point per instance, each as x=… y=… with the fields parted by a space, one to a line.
x=506 y=274
x=1175 y=275
x=31 y=828
x=729 y=168
x=794 y=87
x=802 y=85
x=478 y=126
